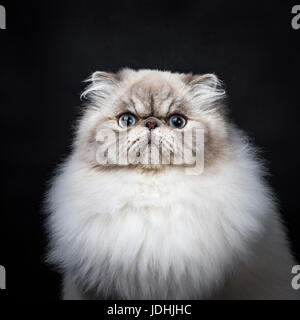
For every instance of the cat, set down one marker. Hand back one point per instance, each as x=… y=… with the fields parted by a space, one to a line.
x=122 y=229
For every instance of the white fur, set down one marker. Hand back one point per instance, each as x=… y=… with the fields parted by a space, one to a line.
x=132 y=235
x=125 y=233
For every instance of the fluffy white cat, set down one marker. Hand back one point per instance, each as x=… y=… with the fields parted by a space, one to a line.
x=152 y=231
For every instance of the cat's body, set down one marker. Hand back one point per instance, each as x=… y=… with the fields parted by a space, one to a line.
x=157 y=233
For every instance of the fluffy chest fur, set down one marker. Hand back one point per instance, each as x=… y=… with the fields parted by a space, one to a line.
x=127 y=234
x=120 y=232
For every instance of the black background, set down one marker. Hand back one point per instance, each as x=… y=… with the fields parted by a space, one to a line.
x=49 y=47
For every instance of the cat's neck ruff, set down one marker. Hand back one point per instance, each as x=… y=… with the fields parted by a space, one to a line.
x=150 y=224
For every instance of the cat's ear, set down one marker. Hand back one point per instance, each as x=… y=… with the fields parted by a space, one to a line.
x=205 y=89
x=102 y=84
x=208 y=79
x=108 y=77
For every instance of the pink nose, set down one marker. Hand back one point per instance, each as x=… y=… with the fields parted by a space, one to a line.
x=151 y=124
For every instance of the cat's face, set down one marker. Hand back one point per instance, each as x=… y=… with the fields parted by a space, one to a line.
x=151 y=119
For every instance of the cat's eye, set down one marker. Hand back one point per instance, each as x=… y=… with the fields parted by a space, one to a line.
x=177 y=121
x=127 y=120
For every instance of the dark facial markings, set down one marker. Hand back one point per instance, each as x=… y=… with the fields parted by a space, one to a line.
x=151 y=102
x=133 y=105
x=170 y=106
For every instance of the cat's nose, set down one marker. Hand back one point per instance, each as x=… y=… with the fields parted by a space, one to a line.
x=151 y=124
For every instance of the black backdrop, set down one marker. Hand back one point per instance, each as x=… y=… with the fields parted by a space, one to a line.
x=49 y=47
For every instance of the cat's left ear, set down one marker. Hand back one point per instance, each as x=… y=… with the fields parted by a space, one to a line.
x=102 y=84
x=206 y=88
x=208 y=79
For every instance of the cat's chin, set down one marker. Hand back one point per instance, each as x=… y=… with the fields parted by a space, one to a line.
x=155 y=167
x=144 y=167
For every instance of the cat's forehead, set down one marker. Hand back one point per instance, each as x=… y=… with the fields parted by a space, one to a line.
x=152 y=95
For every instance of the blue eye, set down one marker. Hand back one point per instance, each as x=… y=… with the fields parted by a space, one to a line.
x=127 y=120
x=177 y=121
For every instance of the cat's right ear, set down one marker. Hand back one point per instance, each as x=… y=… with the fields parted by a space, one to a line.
x=102 y=85
x=100 y=76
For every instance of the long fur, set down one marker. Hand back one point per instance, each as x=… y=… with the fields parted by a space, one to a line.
x=136 y=233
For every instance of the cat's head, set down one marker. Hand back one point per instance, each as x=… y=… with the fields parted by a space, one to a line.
x=150 y=118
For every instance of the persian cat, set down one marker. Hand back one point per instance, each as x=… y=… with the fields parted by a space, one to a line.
x=122 y=226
